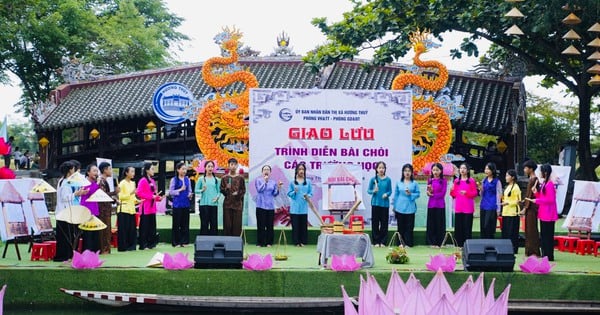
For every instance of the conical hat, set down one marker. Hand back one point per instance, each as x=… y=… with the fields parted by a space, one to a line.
x=78 y=180
x=74 y=214
x=42 y=187
x=94 y=224
x=99 y=196
x=156 y=261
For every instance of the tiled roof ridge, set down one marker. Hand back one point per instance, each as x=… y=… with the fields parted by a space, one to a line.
x=468 y=74
x=263 y=59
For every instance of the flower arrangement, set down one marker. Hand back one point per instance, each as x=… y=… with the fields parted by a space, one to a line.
x=397 y=255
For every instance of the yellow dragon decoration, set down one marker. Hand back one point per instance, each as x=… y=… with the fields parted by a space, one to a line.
x=432 y=128
x=222 y=124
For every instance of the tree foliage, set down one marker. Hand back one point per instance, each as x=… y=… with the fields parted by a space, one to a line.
x=24 y=136
x=122 y=35
x=384 y=25
x=548 y=118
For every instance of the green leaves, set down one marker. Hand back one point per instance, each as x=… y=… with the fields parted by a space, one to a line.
x=124 y=35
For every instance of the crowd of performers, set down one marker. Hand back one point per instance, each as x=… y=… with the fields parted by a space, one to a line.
x=539 y=204
x=142 y=198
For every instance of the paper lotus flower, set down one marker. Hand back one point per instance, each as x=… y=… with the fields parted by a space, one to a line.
x=86 y=260
x=7 y=173
x=4 y=147
x=344 y=263
x=256 y=262
x=437 y=299
x=536 y=265
x=177 y=262
x=443 y=262
x=2 y=291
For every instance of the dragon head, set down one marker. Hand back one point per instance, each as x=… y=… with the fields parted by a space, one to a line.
x=421 y=41
x=228 y=39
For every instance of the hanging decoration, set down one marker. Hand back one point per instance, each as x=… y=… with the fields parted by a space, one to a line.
x=572 y=36
x=222 y=125
x=432 y=128
x=514 y=13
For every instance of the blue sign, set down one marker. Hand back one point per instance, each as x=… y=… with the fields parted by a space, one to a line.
x=170 y=102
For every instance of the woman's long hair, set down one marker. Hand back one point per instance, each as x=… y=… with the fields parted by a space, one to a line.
x=377 y=166
x=512 y=173
x=145 y=169
x=493 y=168
x=410 y=167
x=468 y=173
x=546 y=171
x=301 y=164
x=125 y=171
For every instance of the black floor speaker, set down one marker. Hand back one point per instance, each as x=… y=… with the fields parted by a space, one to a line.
x=488 y=255
x=218 y=252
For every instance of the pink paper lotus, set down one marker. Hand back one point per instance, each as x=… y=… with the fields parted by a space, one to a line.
x=536 y=265
x=344 y=263
x=396 y=290
x=257 y=262
x=437 y=299
x=177 y=262
x=443 y=306
x=2 y=299
x=86 y=260
x=443 y=262
x=4 y=147
x=439 y=287
x=349 y=308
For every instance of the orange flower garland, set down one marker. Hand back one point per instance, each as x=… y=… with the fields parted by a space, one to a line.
x=434 y=126
x=219 y=128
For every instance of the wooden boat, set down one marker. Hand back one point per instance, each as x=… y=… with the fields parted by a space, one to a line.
x=208 y=302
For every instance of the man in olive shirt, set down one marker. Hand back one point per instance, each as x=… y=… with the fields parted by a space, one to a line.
x=233 y=187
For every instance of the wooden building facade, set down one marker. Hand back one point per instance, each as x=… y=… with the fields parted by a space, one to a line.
x=112 y=117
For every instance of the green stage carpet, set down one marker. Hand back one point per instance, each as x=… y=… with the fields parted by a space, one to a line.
x=33 y=284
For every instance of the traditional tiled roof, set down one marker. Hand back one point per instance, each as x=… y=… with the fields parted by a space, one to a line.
x=490 y=104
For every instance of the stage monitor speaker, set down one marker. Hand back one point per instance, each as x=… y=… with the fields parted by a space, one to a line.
x=218 y=251
x=488 y=255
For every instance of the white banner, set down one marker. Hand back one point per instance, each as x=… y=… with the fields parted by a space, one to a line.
x=319 y=127
x=583 y=214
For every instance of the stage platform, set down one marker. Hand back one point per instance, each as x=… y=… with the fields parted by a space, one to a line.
x=36 y=284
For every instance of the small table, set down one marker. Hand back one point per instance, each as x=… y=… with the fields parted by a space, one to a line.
x=358 y=245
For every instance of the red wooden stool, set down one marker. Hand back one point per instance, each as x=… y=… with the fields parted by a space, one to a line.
x=52 y=248
x=328 y=219
x=585 y=247
x=357 y=218
x=596 y=248
x=40 y=251
x=557 y=241
x=567 y=243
